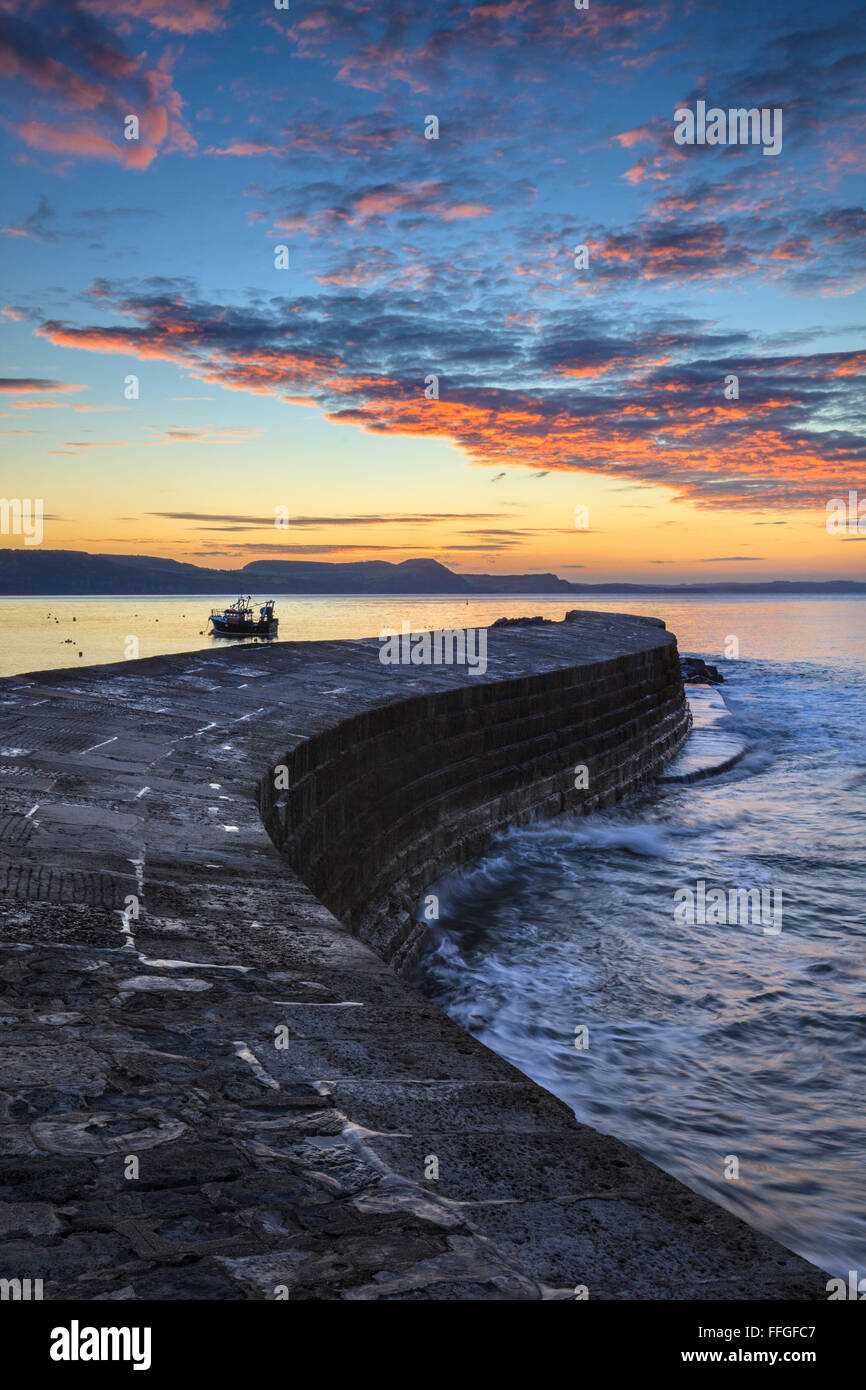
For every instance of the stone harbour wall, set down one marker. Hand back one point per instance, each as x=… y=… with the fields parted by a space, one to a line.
x=382 y=803
x=212 y=1086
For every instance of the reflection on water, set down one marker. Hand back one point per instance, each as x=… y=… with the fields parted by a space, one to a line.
x=37 y=634
x=705 y=1041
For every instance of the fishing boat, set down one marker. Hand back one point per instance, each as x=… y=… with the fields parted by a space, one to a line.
x=239 y=620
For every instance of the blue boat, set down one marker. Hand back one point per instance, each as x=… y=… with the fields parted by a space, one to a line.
x=239 y=620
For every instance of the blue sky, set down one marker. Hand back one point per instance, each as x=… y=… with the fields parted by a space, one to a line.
x=558 y=386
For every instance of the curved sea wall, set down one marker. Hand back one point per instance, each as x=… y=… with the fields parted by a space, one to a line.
x=382 y=803
x=175 y=990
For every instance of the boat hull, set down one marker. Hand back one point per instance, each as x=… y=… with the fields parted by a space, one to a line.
x=221 y=628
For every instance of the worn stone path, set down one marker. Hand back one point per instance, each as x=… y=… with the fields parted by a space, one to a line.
x=154 y=948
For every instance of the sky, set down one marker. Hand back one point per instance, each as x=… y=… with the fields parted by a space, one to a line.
x=282 y=296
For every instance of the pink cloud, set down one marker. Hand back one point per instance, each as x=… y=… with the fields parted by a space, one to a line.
x=50 y=76
x=242 y=148
x=180 y=17
x=635 y=137
x=85 y=144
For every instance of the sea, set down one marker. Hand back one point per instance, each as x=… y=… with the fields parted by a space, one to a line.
x=730 y=1052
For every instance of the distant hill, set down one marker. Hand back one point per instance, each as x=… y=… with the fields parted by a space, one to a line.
x=356 y=577
x=33 y=571
x=72 y=572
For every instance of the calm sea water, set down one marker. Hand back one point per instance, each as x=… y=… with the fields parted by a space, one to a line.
x=715 y=1041
x=38 y=634
x=705 y=1042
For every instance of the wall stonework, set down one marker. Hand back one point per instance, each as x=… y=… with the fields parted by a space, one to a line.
x=381 y=804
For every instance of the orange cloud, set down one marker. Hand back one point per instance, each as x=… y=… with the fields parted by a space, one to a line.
x=85 y=144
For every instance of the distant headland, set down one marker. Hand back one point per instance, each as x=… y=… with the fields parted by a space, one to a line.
x=33 y=572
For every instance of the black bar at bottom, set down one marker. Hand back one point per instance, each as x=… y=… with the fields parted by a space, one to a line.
x=257 y=1338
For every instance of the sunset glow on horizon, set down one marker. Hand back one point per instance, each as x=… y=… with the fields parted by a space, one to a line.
x=333 y=267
